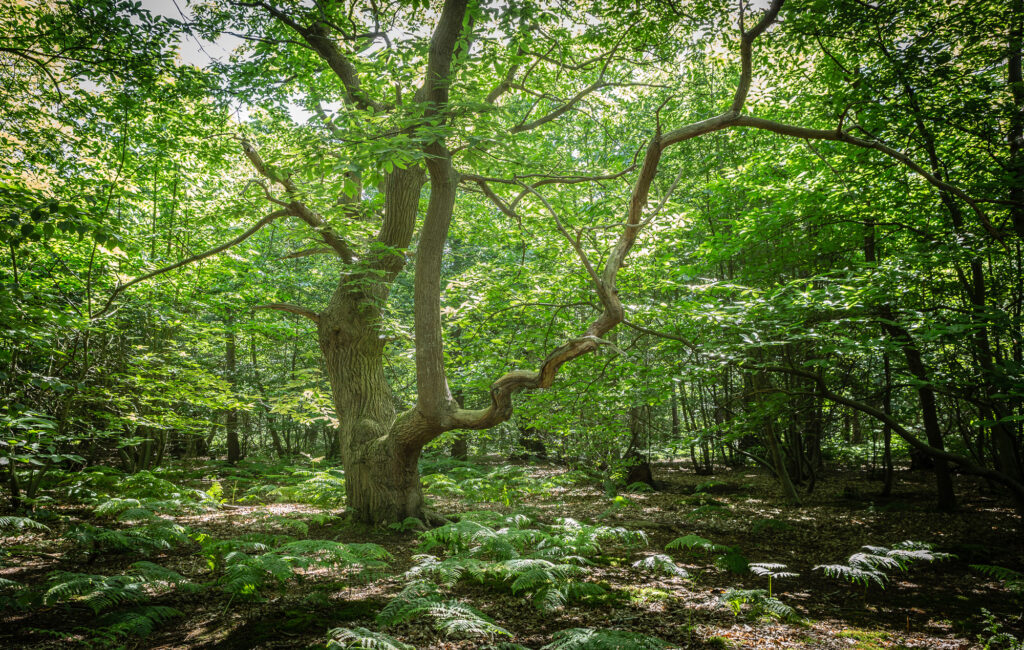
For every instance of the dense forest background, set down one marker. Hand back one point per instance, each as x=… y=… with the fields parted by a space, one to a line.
x=363 y=256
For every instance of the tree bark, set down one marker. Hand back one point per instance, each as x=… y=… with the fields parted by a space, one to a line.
x=231 y=417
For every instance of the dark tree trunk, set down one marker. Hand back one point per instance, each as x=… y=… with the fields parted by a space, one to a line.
x=231 y=417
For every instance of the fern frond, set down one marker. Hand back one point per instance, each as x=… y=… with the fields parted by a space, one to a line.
x=693 y=542
x=140 y=621
x=998 y=572
x=456 y=618
x=364 y=639
x=1012 y=580
x=854 y=574
x=660 y=565
x=8 y=584
x=448 y=571
x=98 y=592
x=590 y=639
x=760 y=604
x=156 y=576
x=21 y=523
x=422 y=599
x=771 y=569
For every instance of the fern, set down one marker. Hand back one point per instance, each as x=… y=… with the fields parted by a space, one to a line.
x=422 y=599
x=362 y=638
x=589 y=639
x=870 y=564
x=1012 y=580
x=158 y=535
x=660 y=565
x=552 y=585
x=158 y=577
x=21 y=523
x=693 y=542
x=245 y=575
x=448 y=571
x=727 y=557
x=761 y=604
x=572 y=538
x=138 y=621
x=773 y=570
x=97 y=592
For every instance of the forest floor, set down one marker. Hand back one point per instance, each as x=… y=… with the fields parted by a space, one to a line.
x=930 y=605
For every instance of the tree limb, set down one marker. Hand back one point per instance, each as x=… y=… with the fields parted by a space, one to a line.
x=310 y=251
x=292 y=309
x=195 y=258
x=296 y=207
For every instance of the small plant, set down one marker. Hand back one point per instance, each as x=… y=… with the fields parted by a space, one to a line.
x=773 y=570
x=726 y=557
x=994 y=637
x=660 y=565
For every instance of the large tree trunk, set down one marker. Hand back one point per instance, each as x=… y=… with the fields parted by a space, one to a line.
x=381 y=477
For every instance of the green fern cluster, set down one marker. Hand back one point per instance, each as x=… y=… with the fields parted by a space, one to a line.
x=454 y=618
x=254 y=562
x=157 y=534
x=324 y=488
x=363 y=639
x=590 y=639
x=871 y=563
x=545 y=562
x=100 y=592
x=759 y=603
x=121 y=599
x=726 y=557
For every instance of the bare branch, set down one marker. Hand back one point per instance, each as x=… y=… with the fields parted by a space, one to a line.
x=292 y=309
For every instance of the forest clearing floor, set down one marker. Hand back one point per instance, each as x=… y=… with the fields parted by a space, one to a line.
x=734 y=516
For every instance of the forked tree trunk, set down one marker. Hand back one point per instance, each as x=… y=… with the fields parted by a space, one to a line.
x=382 y=481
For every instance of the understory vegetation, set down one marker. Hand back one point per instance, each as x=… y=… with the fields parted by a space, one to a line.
x=533 y=556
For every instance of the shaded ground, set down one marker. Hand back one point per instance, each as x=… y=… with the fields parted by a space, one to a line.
x=932 y=606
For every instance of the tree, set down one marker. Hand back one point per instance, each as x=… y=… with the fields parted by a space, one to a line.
x=492 y=83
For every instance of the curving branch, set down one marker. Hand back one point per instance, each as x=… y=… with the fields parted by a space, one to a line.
x=189 y=260
x=613 y=312
x=318 y=37
x=292 y=309
x=295 y=207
